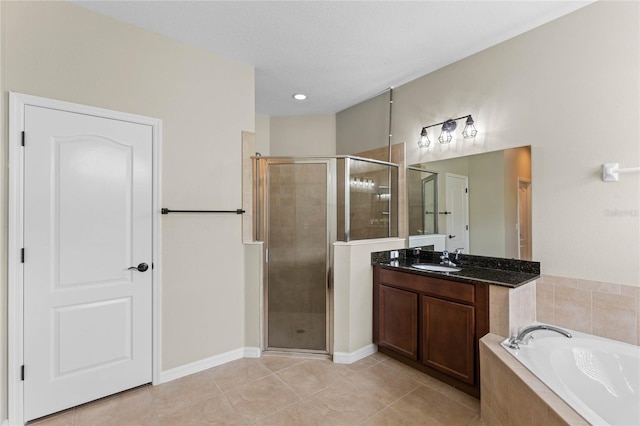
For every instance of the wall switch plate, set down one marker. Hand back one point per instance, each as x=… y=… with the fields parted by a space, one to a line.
x=394 y=254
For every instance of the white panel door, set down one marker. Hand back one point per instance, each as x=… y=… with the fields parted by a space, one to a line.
x=457 y=206
x=87 y=220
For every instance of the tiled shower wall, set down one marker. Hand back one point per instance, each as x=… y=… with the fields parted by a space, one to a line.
x=603 y=309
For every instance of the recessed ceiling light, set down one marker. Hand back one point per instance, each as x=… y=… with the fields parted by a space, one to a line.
x=299 y=97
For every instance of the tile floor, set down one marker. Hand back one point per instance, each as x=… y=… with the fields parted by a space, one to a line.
x=285 y=390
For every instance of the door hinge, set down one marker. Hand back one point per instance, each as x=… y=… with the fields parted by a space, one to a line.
x=22 y=373
x=466 y=190
x=467 y=227
x=23 y=138
x=21 y=255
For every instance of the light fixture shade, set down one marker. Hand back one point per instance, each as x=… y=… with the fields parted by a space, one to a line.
x=447 y=127
x=470 y=130
x=424 y=141
x=445 y=137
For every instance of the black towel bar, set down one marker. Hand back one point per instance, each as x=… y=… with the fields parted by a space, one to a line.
x=167 y=211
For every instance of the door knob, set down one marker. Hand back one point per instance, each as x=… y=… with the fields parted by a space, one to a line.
x=141 y=267
x=451 y=236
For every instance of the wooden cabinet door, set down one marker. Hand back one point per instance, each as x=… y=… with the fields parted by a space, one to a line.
x=448 y=330
x=398 y=320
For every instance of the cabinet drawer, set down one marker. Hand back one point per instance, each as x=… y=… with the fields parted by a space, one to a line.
x=433 y=286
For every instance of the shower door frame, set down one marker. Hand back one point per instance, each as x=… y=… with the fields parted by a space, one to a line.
x=432 y=178
x=262 y=208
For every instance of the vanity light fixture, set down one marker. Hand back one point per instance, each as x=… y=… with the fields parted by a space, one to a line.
x=448 y=127
x=424 y=141
x=470 y=130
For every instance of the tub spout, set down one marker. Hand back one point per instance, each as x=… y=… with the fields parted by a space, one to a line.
x=525 y=336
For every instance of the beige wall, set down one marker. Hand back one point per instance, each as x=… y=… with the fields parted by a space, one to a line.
x=353 y=293
x=486 y=202
x=61 y=51
x=371 y=131
x=557 y=88
x=299 y=136
x=517 y=165
x=263 y=134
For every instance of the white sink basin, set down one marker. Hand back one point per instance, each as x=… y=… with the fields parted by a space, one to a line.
x=435 y=268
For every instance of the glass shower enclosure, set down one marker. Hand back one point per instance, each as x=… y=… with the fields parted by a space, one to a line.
x=303 y=206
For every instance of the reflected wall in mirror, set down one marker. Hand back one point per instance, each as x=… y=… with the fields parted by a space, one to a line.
x=499 y=202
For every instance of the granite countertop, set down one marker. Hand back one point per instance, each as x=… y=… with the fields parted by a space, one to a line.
x=474 y=269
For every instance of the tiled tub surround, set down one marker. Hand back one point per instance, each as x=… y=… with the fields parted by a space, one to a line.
x=510 y=309
x=603 y=309
x=598 y=377
x=512 y=395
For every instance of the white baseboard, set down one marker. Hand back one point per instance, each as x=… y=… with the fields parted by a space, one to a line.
x=351 y=357
x=251 y=352
x=204 y=364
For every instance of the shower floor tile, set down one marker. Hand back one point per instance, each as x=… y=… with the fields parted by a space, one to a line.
x=297 y=330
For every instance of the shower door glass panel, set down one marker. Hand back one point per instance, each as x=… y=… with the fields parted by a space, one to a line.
x=372 y=200
x=297 y=258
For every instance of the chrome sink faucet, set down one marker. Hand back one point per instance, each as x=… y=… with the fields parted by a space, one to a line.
x=458 y=252
x=521 y=338
x=445 y=259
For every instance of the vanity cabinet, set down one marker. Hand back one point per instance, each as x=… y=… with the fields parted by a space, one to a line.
x=398 y=320
x=431 y=324
x=448 y=329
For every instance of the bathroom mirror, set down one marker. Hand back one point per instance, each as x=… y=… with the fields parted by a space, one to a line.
x=481 y=202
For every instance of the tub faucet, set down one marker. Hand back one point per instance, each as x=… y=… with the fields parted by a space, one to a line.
x=445 y=259
x=525 y=335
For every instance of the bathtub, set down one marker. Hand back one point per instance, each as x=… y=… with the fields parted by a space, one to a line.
x=599 y=378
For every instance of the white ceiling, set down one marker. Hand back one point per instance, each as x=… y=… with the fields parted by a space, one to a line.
x=339 y=53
